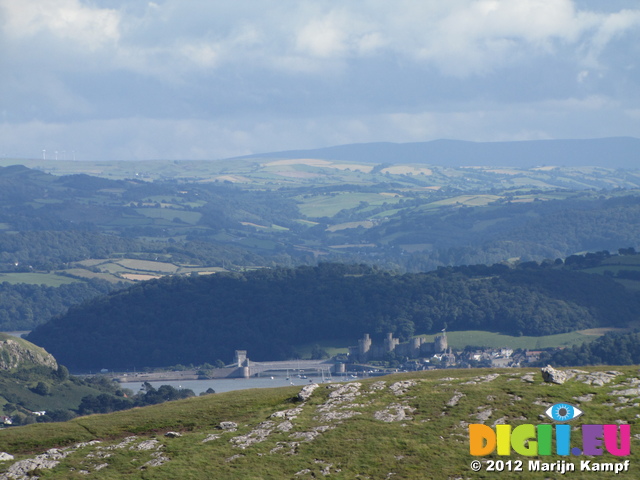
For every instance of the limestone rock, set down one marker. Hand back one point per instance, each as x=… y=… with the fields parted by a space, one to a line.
x=597 y=379
x=306 y=392
x=23 y=468
x=210 y=437
x=146 y=445
x=257 y=435
x=289 y=414
x=455 y=399
x=631 y=392
x=484 y=414
x=400 y=388
x=393 y=413
x=230 y=426
x=285 y=426
x=585 y=398
x=551 y=375
x=157 y=460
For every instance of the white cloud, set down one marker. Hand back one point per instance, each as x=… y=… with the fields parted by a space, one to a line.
x=458 y=37
x=206 y=79
x=204 y=55
x=609 y=28
x=582 y=76
x=323 y=37
x=65 y=19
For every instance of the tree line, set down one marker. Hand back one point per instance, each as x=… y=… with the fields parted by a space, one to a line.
x=24 y=306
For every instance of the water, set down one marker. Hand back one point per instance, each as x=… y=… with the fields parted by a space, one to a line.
x=221 y=385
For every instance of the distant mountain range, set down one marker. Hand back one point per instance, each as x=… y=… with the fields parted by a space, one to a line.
x=615 y=152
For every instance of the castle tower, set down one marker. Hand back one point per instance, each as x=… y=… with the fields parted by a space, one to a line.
x=390 y=343
x=414 y=347
x=440 y=343
x=364 y=345
x=240 y=358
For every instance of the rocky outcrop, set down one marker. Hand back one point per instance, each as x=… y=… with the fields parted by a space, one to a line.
x=18 y=352
x=25 y=468
x=307 y=391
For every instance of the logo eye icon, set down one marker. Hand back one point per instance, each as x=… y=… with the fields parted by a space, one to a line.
x=563 y=412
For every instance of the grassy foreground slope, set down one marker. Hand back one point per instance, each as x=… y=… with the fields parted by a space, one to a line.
x=408 y=426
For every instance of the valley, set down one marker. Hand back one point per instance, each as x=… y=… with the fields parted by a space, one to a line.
x=158 y=271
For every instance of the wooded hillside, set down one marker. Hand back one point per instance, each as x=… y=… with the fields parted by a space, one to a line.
x=269 y=311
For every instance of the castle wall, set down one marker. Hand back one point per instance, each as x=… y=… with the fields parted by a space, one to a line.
x=416 y=347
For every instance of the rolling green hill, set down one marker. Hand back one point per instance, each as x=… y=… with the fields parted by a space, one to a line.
x=34 y=388
x=32 y=381
x=405 y=426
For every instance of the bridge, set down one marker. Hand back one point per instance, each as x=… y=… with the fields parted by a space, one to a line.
x=247 y=368
x=294 y=366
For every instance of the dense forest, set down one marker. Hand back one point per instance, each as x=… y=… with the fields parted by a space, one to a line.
x=613 y=348
x=23 y=306
x=269 y=311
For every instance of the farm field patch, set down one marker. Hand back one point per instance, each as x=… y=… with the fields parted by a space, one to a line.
x=35 y=278
x=329 y=205
x=147 y=265
x=170 y=214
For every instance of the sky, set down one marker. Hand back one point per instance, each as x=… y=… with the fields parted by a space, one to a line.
x=210 y=79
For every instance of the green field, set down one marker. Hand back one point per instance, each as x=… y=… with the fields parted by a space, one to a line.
x=119 y=269
x=170 y=214
x=329 y=205
x=630 y=260
x=48 y=279
x=83 y=273
x=332 y=347
x=478 y=338
x=147 y=266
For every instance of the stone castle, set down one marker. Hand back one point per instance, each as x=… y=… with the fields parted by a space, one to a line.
x=416 y=347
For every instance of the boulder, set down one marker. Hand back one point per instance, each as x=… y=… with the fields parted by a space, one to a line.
x=551 y=375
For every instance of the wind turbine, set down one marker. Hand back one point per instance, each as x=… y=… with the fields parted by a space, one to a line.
x=44 y=154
